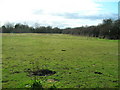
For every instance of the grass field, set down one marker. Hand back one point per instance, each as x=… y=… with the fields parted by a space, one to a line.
x=79 y=62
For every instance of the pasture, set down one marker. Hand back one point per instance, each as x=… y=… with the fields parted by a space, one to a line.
x=78 y=61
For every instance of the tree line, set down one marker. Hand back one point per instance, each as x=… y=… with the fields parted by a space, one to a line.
x=21 y=28
x=107 y=29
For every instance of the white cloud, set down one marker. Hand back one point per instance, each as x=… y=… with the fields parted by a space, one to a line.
x=44 y=11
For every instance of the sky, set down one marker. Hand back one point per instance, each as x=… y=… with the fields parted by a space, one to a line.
x=57 y=13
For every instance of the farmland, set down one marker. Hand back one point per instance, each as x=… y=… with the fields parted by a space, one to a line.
x=78 y=61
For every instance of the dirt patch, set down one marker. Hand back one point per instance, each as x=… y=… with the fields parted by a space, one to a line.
x=63 y=50
x=98 y=73
x=115 y=81
x=41 y=72
x=5 y=81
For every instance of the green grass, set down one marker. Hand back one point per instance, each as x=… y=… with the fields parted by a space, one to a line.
x=75 y=67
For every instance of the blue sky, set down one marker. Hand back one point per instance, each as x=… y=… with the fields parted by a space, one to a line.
x=110 y=7
x=57 y=13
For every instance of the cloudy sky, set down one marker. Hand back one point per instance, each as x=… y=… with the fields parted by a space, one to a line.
x=57 y=13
